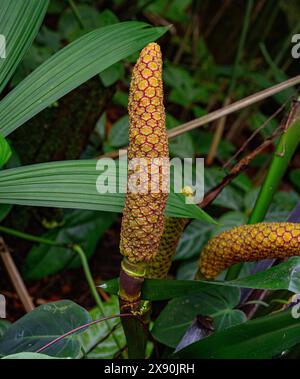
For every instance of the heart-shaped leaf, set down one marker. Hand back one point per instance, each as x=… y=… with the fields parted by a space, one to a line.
x=43 y=325
x=178 y=315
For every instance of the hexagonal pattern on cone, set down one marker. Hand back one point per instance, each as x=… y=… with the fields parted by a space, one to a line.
x=143 y=216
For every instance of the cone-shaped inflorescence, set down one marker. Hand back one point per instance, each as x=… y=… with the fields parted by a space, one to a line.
x=143 y=216
x=248 y=243
x=148 y=174
x=159 y=266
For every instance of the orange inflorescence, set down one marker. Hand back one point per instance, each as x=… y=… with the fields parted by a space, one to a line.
x=143 y=217
x=159 y=267
x=248 y=243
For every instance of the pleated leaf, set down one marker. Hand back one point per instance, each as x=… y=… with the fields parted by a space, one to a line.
x=72 y=184
x=72 y=66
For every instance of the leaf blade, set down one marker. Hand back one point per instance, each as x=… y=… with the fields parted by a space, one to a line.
x=266 y=337
x=20 y=22
x=286 y=276
x=72 y=184
x=72 y=66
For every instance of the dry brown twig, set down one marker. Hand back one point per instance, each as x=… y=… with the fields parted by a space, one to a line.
x=15 y=277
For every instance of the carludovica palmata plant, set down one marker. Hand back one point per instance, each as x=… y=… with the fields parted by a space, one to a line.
x=46 y=85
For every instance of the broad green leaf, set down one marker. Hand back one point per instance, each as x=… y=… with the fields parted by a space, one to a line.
x=193 y=239
x=72 y=184
x=217 y=303
x=29 y=356
x=286 y=276
x=20 y=22
x=81 y=227
x=262 y=338
x=72 y=66
x=5 y=151
x=96 y=341
x=44 y=324
x=187 y=270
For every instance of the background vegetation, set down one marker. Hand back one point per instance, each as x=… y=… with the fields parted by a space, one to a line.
x=215 y=53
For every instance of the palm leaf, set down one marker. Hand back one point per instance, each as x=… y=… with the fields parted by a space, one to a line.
x=20 y=22
x=72 y=66
x=72 y=184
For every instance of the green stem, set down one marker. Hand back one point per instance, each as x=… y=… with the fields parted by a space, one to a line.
x=284 y=152
x=131 y=280
x=30 y=237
